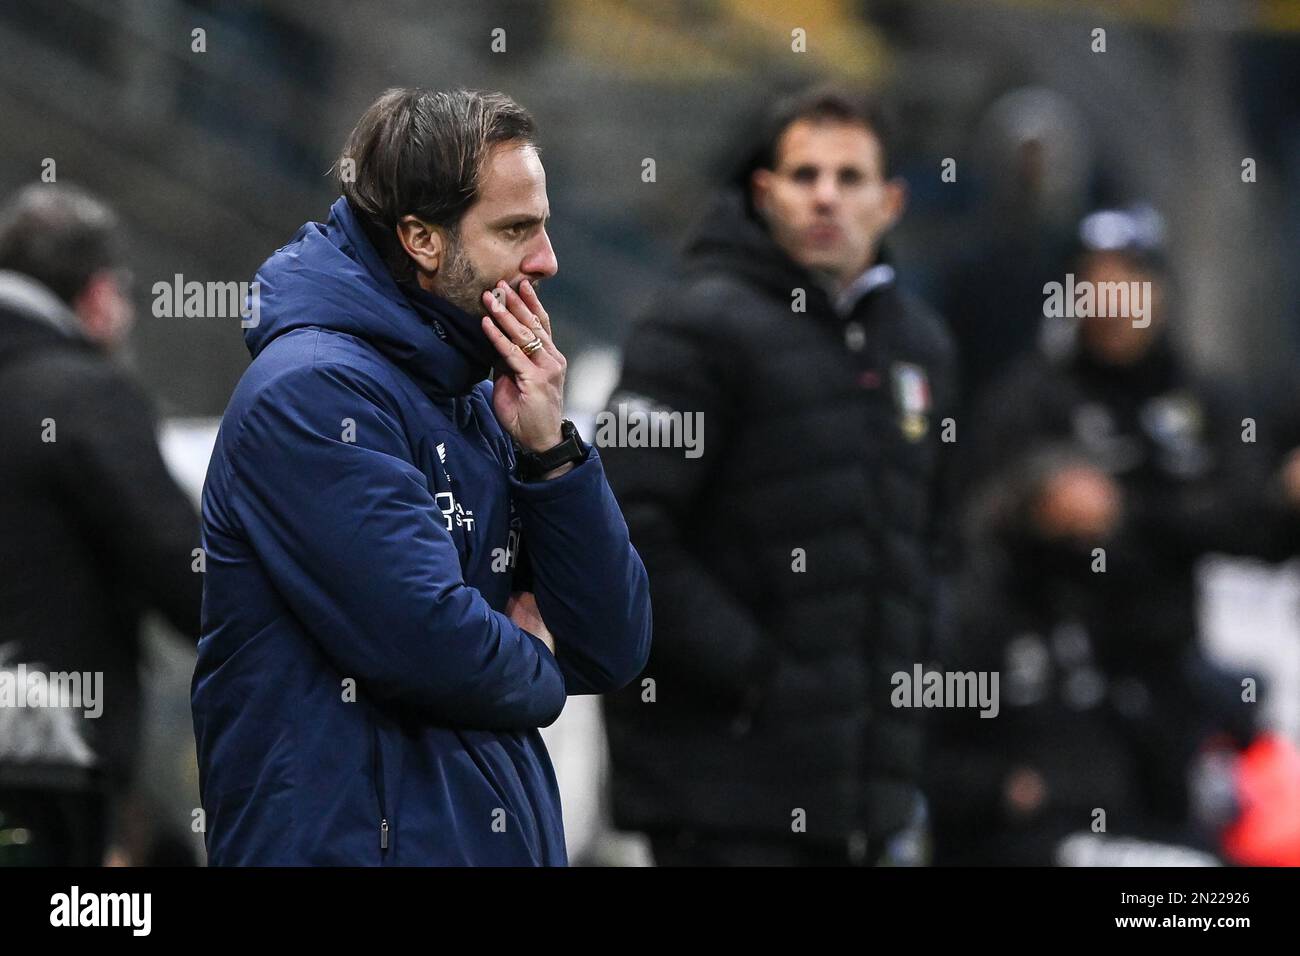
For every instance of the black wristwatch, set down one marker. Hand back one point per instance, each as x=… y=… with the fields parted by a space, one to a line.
x=532 y=465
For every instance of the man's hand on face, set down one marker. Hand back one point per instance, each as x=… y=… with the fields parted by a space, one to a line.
x=528 y=394
x=521 y=607
x=1290 y=476
x=1078 y=502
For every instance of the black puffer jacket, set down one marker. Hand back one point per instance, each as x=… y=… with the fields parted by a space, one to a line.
x=94 y=530
x=822 y=445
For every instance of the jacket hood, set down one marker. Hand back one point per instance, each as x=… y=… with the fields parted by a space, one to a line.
x=728 y=238
x=331 y=276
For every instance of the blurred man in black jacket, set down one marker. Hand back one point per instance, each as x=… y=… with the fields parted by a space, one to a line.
x=96 y=531
x=792 y=562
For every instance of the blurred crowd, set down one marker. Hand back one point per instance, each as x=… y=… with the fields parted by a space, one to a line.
x=1101 y=470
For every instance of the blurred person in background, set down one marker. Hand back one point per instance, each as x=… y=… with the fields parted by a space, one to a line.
x=1111 y=443
x=792 y=562
x=52 y=801
x=1008 y=790
x=1032 y=159
x=96 y=531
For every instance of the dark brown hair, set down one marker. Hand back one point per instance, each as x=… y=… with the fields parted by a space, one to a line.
x=422 y=152
x=824 y=104
x=59 y=235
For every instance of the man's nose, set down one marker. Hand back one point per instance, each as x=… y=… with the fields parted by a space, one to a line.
x=540 y=263
x=827 y=190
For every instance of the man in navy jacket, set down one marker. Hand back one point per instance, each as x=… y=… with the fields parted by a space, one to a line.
x=408 y=567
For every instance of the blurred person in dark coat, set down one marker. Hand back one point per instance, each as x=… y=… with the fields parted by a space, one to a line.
x=1097 y=477
x=96 y=531
x=792 y=562
x=1007 y=790
x=1032 y=159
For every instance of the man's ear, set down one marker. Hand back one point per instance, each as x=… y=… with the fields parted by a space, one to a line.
x=425 y=244
x=102 y=307
x=90 y=303
x=895 y=199
x=760 y=188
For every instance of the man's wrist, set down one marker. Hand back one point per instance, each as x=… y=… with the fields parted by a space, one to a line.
x=554 y=460
x=564 y=469
x=549 y=442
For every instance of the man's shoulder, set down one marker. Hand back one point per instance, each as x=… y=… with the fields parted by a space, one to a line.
x=310 y=360
x=711 y=305
x=70 y=374
x=925 y=329
x=319 y=347
x=309 y=373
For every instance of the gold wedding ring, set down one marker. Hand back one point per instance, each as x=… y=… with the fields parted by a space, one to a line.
x=532 y=346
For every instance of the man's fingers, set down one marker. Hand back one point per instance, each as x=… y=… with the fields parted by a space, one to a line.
x=514 y=356
x=509 y=322
x=516 y=331
x=525 y=315
x=528 y=299
x=516 y=306
x=529 y=296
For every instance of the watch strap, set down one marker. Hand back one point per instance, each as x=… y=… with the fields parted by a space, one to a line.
x=531 y=465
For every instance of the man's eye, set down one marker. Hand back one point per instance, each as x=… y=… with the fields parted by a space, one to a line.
x=805 y=176
x=850 y=177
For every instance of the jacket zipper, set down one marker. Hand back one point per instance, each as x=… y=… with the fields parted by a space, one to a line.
x=379 y=792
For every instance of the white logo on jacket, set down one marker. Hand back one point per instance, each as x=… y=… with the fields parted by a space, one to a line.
x=452 y=512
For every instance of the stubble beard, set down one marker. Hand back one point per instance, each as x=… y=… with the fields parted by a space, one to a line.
x=460 y=283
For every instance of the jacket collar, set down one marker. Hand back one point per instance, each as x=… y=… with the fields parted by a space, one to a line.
x=730 y=238
x=872 y=278
x=331 y=276
x=466 y=356
x=24 y=295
